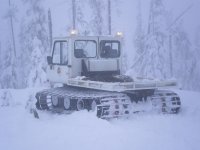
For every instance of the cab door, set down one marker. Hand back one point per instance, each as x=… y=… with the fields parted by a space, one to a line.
x=84 y=48
x=110 y=51
x=58 y=71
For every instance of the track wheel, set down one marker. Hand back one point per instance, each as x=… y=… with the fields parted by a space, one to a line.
x=66 y=103
x=54 y=100
x=80 y=104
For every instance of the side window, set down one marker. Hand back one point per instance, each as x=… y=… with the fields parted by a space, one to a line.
x=60 y=53
x=109 y=49
x=85 y=49
x=56 y=53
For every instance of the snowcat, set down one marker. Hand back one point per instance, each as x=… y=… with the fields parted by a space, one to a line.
x=90 y=70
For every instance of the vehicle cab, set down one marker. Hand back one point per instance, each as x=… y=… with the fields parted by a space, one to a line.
x=87 y=56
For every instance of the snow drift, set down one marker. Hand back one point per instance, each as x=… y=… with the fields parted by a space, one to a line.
x=19 y=130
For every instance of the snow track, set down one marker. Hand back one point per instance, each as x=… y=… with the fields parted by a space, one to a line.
x=19 y=130
x=108 y=104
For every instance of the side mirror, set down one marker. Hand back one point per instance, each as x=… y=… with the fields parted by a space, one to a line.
x=49 y=60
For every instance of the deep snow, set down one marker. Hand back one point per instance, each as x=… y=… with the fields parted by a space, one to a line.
x=19 y=130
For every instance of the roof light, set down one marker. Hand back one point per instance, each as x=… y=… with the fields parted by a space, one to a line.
x=119 y=34
x=73 y=32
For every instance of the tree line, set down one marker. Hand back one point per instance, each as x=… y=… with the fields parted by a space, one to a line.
x=162 y=50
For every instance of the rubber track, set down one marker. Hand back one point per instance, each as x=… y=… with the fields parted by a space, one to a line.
x=44 y=98
x=110 y=104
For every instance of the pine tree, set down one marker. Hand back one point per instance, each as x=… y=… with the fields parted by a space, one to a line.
x=184 y=57
x=197 y=65
x=11 y=16
x=109 y=18
x=8 y=77
x=50 y=28
x=154 y=59
x=0 y=59
x=81 y=23
x=98 y=20
x=37 y=74
x=139 y=42
x=34 y=43
x=74 y=14
x=195 y=68
x=140 y=37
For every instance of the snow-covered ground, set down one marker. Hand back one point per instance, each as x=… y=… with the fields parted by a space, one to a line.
x=19 y=130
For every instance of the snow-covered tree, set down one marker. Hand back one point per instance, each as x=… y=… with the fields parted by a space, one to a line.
x=34 y=43
x=81 y=21
x=195 y=68
x=153 y=61
x=139 y=39
x=95 y=19
x=197 y=41
x=0 y=58
x=8 y=77
x=197 y=65
x=37 y=74
x=183 y=56
x=97 y=23
x=50 y=28
x=11 y=15
x=74 y=14
x=109 y=18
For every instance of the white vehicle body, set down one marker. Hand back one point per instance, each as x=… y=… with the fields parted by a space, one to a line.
x=94 y=64
x=71 y=54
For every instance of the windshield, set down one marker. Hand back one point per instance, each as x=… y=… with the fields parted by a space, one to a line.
x=85 y=48
x=109 y=49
